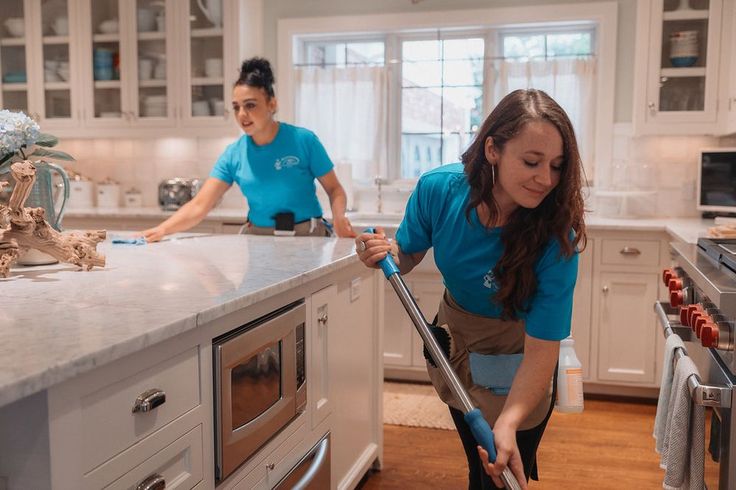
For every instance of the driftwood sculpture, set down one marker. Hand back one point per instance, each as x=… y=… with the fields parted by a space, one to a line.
x=22 y=228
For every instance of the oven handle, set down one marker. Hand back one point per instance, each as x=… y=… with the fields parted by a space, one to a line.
x=701 y=394
x=319 y=459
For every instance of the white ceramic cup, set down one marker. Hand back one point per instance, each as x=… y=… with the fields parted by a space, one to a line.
x=159 y=73
x=200 y=108
x=218 y=106
x=145 y=69
x=161 y=22
x=61 y=26
x=213 y=67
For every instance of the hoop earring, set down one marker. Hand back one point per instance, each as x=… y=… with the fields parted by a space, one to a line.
x=493 y=175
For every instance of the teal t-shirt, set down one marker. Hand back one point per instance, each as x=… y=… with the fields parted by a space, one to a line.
x=466 y=253
x=277 y=177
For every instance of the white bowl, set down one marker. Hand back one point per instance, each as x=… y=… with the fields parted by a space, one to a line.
x=109 y=26
x=16 y=26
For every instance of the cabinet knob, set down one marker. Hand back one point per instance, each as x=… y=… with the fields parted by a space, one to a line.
x=270 y=466
x=153 y=482
x=604 y=289
x=652 y=108
x=322 y=319
x=148 y=400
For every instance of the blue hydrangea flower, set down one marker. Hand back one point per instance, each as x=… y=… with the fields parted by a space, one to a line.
x=17 y=131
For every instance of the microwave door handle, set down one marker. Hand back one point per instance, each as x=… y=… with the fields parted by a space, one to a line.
x=314 y=468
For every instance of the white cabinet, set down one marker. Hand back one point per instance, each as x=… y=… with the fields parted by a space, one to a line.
x=727 y=101
x=321 y=343
x=582 y=318
x=16 y=34
x=677 y=66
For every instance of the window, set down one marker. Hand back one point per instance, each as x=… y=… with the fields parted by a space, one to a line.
x=338 y=53
x=441 y=98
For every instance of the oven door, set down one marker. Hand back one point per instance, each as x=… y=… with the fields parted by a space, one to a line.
x=255 y=386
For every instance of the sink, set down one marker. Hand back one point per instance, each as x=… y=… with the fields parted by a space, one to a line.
x=389 y=222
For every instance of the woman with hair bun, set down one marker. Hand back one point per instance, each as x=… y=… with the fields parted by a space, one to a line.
x=274 y=164
x=506 y=226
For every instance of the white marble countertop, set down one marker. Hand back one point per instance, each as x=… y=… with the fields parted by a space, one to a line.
x=153 y=212
x=57 y=322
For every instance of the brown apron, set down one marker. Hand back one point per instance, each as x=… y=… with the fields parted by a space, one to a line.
x=475 y=333
x=311 y=227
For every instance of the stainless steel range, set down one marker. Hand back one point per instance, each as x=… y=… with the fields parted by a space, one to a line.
x=702 y=311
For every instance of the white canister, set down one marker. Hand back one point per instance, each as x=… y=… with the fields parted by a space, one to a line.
x=81 y=194
x=108 y=195
x=133 y=199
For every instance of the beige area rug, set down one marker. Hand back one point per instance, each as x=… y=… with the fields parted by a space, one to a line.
x=414 y=405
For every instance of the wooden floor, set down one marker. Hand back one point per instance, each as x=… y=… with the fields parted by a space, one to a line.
x=608 y=446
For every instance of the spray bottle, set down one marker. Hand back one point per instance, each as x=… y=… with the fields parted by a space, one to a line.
x=569 y=379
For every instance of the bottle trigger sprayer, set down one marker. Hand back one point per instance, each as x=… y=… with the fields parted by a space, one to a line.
x=569 y=379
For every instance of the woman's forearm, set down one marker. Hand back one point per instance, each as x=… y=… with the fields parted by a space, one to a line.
x=186 y=217
x=532 y=380
x=338 y=201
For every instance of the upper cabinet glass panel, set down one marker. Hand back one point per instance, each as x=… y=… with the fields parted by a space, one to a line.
x=151 y=33
x=684 y=55
x=56 y=61
x=13 y=56
x=106 y=54
x=206 y=59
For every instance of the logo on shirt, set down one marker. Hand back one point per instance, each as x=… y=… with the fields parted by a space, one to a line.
x=489 y=280
x=286 y=162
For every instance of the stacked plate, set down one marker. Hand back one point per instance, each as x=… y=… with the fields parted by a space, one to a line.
x=154 y=106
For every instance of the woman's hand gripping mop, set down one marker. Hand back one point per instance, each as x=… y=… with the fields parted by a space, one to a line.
x=473 y=416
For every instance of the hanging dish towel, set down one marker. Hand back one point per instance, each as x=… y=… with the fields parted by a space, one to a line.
x=683 y=450
x=668 y=370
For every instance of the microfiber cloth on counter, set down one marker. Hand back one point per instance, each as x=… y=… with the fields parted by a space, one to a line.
x=668 y=370
x=495 y=372
x=683 y=451
x=129 y=241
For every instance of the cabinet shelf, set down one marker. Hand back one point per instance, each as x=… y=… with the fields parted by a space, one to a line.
x=151 y=36
x=683 y=72
x=151 y=83
x=106 y=38
x=686 y=14
x=209 y=32
x=207 y=81
x=56 y=40
x=107 y=84
x=57 y=86
x=14 y=87
x=13 y=41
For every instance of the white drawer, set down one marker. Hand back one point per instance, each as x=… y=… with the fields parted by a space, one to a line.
x=630 y=252
x=109 y=424
x=179 y=464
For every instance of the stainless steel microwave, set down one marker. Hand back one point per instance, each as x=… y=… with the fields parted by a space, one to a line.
x=716 y=183
x=259 y=384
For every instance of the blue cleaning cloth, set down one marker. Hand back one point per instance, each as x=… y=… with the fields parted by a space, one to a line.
x=495 y=372
x=129 y=241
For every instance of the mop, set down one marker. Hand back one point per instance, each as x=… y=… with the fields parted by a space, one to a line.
x=473 y=416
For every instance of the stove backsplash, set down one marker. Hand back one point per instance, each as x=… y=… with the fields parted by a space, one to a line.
x=666 y=165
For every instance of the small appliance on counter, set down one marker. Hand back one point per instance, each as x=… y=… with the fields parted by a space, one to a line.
x=176 y=192
x=108 y=194
x=81 y=191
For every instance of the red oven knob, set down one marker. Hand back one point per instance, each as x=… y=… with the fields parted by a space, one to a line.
x=694 y=318
x=676 y=299
x=709 y=335
x=683 y=314
x=690 y=310
x=667 y=274
x=700 y=322
x=675 y=284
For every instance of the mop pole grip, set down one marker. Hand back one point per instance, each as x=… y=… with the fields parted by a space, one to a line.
x=387 y=264
x=482 y=432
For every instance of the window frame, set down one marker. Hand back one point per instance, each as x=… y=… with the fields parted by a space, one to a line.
x=602 y=16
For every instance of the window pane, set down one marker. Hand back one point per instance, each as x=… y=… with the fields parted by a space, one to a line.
x=465 y=72
x=453 y=145
x=419 y=153
x=462 y=49
x=421 y=74
x=570 y=44
x=523 y=46
x=365 y=52
x=420 y=50
x=463 y=109
x=421 y=110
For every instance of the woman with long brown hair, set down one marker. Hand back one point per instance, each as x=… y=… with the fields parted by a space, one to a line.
x=506 y=226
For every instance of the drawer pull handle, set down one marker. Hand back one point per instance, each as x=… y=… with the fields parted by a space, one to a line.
x=148 y=400
x=630 y=251
x=153 y=482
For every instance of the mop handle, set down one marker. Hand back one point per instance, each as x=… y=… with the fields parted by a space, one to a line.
x=473 y=416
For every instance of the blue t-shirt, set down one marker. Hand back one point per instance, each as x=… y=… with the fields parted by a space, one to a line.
x=466 y=253
x=277 y=177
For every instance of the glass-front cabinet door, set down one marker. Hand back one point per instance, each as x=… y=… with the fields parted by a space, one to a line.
x=14 y=56
x=152 y=99
x=206 y=61
x=683 y=55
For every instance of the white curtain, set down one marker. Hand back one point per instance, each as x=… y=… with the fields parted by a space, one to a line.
x=570 y=81
x=346 y=108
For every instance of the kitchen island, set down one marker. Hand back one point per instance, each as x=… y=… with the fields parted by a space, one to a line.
x=72 y=341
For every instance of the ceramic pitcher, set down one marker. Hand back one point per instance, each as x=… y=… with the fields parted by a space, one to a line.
x=42 y=192
x=212 y=9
